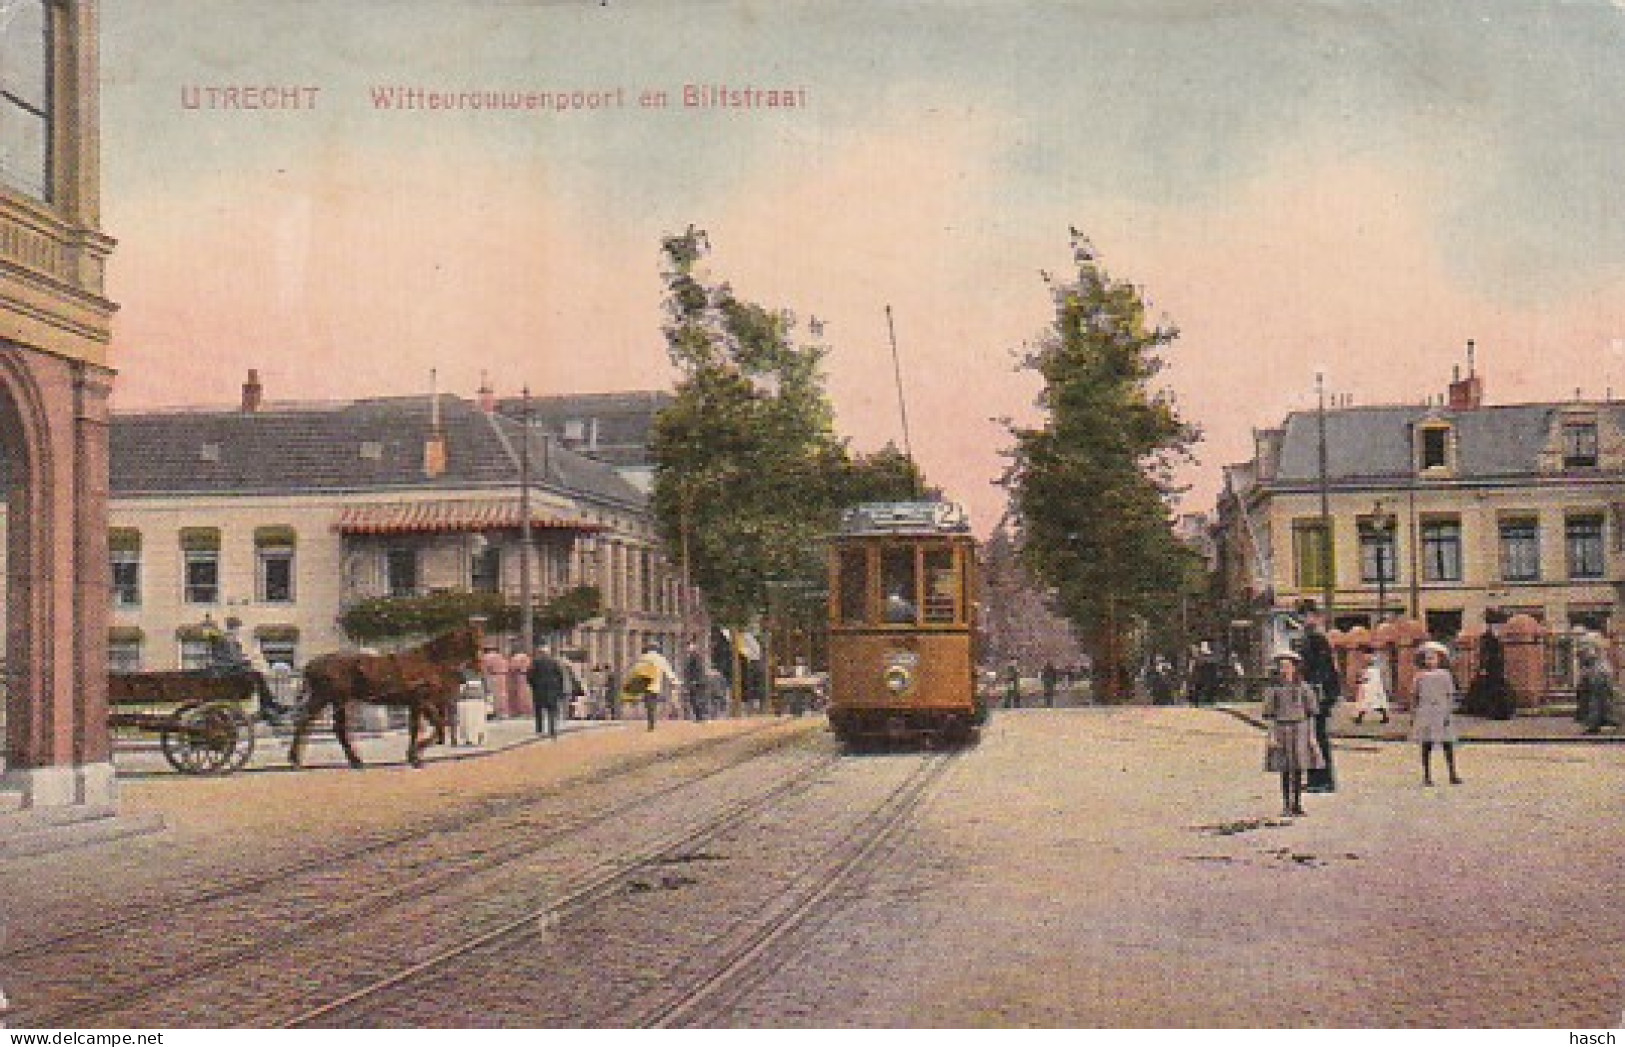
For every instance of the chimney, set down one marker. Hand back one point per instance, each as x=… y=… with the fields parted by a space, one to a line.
x=253 y=392
x=434 y=446
x=1467 y=394
x=488 y=397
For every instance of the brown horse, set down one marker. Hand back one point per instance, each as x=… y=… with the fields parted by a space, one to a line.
x=424 y=679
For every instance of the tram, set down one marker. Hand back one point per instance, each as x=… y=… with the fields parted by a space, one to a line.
x=902 y=637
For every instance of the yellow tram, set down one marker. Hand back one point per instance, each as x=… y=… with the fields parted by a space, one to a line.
x=902 y=657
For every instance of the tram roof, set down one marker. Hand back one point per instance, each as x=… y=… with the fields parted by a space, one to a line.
x=904 y=518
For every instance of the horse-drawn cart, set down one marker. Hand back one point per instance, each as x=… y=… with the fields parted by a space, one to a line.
x=199 y=717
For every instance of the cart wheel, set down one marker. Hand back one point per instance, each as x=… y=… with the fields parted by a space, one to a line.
x=207 y=738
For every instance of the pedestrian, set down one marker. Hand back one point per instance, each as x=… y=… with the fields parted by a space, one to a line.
x=1320 y=672
x=1490 y=692
x=648 y=678
x=1594 y=691
x=1012 y=685
x=519 y=692
x=547 y=678
x=1433 y=704
x=694 y=688
x=1050 y=678
x=1204 y=685
x=1290 y=704
x=1371 y=693
x=494 y=668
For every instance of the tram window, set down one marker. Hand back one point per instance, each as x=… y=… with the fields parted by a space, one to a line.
x=897 y=583
x=941 y=588
x=854 y=586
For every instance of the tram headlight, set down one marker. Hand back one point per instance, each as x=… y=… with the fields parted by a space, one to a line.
x=898 y=679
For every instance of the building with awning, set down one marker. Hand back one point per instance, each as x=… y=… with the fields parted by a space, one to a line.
x=284 y=514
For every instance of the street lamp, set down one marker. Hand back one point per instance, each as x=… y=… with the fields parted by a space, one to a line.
x=1380 y=526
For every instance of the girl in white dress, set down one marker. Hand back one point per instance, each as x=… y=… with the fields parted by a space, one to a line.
x=1372 y=690
x=1433 y=721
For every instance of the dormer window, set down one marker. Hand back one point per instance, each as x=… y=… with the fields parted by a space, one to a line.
x=1434 y=450
x=1580 y=445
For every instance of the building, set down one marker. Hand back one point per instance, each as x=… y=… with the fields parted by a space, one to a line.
x=54 y=381
x=284 y=514
x=608 y=427
x=1437 y=511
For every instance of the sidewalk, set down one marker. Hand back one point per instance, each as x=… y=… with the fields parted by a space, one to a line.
x=1532 y=730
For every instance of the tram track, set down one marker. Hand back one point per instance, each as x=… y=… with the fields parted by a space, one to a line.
x=699 y=988
x=811 y=903
x=351 y=866
x=459 y=818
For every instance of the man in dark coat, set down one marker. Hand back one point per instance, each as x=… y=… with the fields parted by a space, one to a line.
x=694 y=681
x=1320 y=670
x=547 y=685
x=1490 y=692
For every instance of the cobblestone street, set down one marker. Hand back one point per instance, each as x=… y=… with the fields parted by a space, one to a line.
x=1084 y=867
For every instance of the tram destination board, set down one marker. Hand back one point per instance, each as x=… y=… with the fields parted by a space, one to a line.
x=905 y=518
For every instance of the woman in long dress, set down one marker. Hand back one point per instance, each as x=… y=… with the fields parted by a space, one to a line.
x=1433 y=721
x=1290 y=705
x=1372 y=690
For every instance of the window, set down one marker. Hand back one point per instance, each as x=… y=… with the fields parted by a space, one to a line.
x=485 y=570
x=1435 y=447
x=124 y=548
x=401 y=572
x=1379 y=559
x=1584 y=534
x=1312 y=554
x=1579 y=445
x=124 y=655
x=1520 y=550
x=898 y=586
x=854 y=586
x=1441 y=550
x=196 y=653
x=274 y=571
x=25 y=97
x=279 y=651
x=200 y=551
x=942 y=589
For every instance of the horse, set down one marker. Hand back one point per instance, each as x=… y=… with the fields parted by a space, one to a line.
x=425 y=679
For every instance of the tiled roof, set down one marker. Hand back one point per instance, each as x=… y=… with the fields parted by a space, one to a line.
x=375 y=444
x=449 y=517
x=1374 y=443
x=623 y=420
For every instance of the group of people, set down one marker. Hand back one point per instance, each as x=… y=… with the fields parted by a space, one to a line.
x=1298 y=704
x=550 y=687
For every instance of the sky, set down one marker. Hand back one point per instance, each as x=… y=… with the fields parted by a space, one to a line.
x=1353 y=189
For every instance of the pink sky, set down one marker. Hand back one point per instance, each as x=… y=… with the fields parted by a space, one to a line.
x=346 y=253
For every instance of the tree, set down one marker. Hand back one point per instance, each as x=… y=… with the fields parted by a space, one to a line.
x=750 y=475
x=743 y=453
x=1091 y=488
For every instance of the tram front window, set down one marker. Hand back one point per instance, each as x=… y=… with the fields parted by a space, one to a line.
x=854 y=586
x=941 y=588
x=898 y=583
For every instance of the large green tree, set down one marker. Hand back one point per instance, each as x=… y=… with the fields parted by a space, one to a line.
x=1091 y=487
x=750 y=475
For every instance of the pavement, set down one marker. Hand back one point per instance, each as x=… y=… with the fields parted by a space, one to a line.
x=1541 y=728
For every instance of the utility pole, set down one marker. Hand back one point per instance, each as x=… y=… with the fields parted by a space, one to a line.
x=527 y=622
x=1328 y=584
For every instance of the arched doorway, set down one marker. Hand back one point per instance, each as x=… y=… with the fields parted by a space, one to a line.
x=53 y=471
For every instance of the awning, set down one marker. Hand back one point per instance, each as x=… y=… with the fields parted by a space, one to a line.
x=454 y=517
